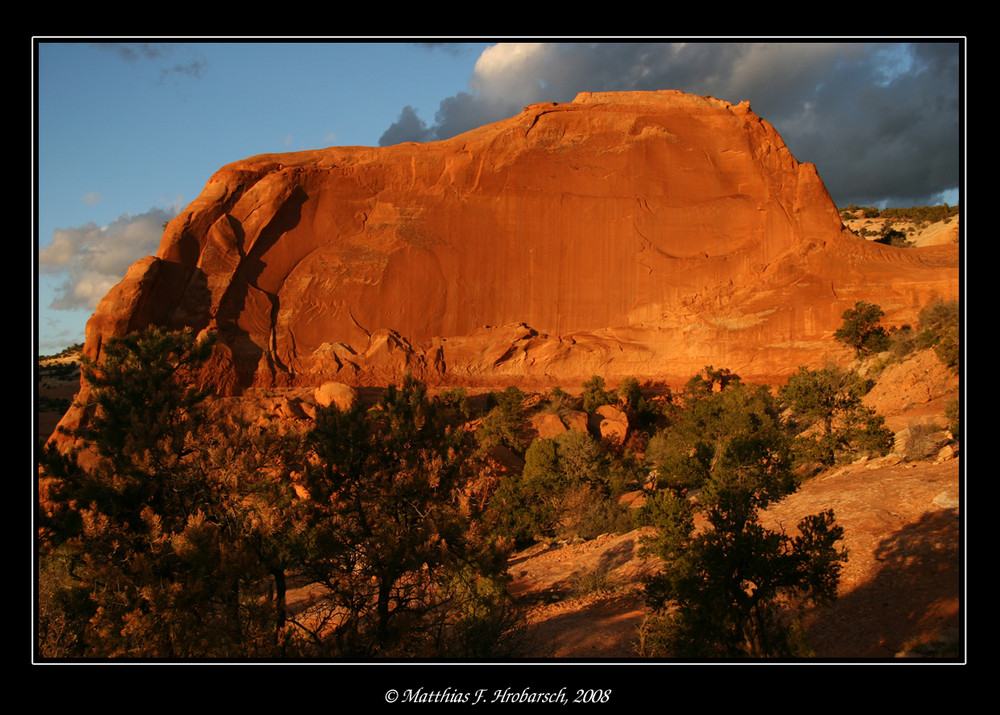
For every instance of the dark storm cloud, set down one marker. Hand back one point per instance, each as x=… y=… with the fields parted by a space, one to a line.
x=408 y=128
x=880 y=121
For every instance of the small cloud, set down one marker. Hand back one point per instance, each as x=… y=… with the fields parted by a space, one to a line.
x=92 y=198
x=131 y=52
x=154 y=52
x=195 y=69
x=452 y=48
x=408 y=128
x=93 y=258
x=174 y=205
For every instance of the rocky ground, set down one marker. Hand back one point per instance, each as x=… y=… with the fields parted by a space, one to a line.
x=585 y=600
x=900 y=588
x=899 y=592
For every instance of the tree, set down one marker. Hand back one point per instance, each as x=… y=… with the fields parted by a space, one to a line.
x=731 y=588
x=940 y=329
x=164 y=552
x=734 y=588
x=893 y=237
x=630 y=394
x=388 y=539
x=594 y=394
x=685 y=453
x=832 y=398
x=641 y=411
x=862 y=331
x=504 y=424
x=708 y=381
x=526 y=506
x=565 y=490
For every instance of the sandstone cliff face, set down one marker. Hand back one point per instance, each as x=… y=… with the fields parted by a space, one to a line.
x=645 y=234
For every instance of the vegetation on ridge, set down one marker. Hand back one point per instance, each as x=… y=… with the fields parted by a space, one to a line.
x=922 y=214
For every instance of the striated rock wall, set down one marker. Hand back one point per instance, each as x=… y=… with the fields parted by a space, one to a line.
x=635 y=233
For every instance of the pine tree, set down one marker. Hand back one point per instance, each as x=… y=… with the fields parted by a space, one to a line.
x=735 y=589
x=832 y=398
x=159 y=522
x=731 y=588
x=389 y=540
x=862 y=330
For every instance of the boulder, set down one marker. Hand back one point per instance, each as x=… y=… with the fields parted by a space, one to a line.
x=574 y=419
x=642 y=234
x=547 y=425
x=612 y=423
x=342 y=396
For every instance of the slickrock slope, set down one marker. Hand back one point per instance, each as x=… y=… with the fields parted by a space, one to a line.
x=637 y=233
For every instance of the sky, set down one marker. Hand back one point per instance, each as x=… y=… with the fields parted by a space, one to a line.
x=126 y=134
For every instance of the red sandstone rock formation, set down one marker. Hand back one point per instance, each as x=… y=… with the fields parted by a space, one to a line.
x=645 y=234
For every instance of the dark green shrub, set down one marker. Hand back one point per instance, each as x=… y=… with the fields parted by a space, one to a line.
x=455 y=403
x=893 y=237
x=561 y=492
x=708 y=381
x=953 y=413
x=680 y=462
x=903 y=342
x=504 y=425
x=733 y=588
x=862 y=330
x=830 y=402
x=940 y=329
x=865 y=434
x=684 y=453
x=629 y=394
x=594 y=394
x=604 y=516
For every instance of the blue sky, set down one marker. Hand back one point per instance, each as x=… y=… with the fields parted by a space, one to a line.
x=128 y=133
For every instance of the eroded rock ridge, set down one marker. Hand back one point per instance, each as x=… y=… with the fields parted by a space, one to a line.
x=638 y=233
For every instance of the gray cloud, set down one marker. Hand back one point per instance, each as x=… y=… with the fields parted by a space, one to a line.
x=408 y=128
x=157 y=51
x=452 y=48
x=134 y=51
x=193 y=68
x=92 y=259
x=880 y=121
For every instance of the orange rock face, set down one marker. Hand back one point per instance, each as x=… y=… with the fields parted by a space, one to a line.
x=639 y=233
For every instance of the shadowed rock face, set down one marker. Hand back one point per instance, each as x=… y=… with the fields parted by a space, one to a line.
x=638 y=233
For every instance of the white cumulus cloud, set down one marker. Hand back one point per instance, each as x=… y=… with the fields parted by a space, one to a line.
x=91 y=259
